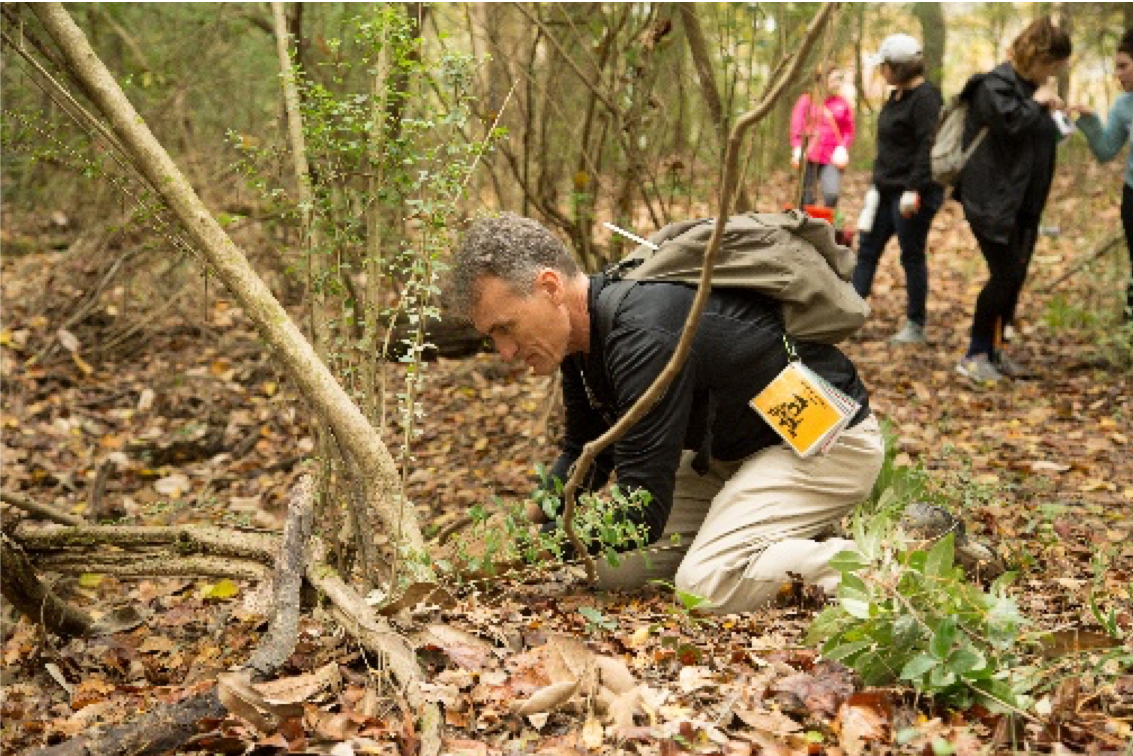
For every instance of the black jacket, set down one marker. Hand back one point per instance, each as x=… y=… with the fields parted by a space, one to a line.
x=904 y=140
x=1006 y=181
x=737 y=351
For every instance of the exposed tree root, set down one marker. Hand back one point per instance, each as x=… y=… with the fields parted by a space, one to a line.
x=197 y=550
x=26 y=591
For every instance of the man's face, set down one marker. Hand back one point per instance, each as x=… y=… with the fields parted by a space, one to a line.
x=535 y=328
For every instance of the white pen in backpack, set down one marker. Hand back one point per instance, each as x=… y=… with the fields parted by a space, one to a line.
x=628 y=235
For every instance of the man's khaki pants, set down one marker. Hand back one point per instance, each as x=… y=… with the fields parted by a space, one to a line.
x=751 y=522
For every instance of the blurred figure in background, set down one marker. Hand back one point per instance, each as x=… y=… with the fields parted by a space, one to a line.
x=903 y=198
x=827 y=128
x=1005 y=184
x=1106 y=143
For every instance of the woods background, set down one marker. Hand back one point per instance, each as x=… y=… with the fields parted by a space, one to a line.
x=341 y=146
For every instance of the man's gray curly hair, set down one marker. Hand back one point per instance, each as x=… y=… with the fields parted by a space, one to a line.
x=509 y=247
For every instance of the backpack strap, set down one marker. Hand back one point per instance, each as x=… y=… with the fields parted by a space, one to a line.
x=834 y=126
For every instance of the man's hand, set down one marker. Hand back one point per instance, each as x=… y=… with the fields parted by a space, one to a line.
x=796 y=157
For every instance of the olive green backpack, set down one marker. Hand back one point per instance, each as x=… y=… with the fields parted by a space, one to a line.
x=788 y=256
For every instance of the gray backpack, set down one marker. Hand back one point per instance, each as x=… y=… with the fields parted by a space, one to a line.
x=788 y=256
x=948 y=153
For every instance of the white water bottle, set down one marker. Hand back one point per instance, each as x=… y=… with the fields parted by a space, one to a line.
x=869 y=210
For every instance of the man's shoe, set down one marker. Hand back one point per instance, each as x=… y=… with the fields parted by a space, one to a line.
x=979 y=370
x=929 y=523
x=910 y=333
x=1008 y=366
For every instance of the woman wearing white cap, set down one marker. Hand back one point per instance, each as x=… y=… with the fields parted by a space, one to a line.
x=903 y=198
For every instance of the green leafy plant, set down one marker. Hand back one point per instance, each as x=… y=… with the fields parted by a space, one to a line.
x=507 y=539
x=596 y=621
x=687 y=604
x=911 y=615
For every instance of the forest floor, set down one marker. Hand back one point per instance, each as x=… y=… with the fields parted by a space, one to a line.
x=195 y=425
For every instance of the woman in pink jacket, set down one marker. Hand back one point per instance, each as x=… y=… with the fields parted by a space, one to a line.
x=827 y=129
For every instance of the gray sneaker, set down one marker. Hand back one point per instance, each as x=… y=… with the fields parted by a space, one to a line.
x=979 y=370
x=929 y=523
x=1008 y=366
x=910 y=333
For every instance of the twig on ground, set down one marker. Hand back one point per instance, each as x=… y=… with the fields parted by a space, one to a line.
x=42 y=511
x=1097 y=252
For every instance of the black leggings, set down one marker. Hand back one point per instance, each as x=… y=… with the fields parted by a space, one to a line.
x=1127 y=221
x=1127 y=224
x=995 y=305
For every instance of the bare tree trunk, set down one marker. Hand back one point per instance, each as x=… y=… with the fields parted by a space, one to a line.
x=312 y=377
x=702 y=62
x=1061 y=12
x=934 y=35
x=316 y=271
x=859 y=64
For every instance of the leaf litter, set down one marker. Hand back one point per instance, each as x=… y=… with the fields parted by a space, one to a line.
x=201 y=428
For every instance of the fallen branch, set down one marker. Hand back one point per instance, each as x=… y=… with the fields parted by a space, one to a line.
x=1097 y=252
x=206 y=540
x=160 y=564
x=42 y=511
x=284 y=628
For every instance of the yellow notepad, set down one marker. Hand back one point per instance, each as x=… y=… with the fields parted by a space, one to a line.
x=803 y=408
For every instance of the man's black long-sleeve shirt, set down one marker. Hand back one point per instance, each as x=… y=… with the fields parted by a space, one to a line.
x=737 y=351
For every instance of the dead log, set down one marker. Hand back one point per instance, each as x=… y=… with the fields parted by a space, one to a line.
x=451 y=338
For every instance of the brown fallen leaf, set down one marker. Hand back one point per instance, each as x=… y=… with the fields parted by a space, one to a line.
x=821 y=692
x=235 y=691
x=301 y=688
x=614 y=674
x=1063 y=642
x=770 y=721
x=547 y=699
x=417 y=593
x=860 y=724
x=465 y=649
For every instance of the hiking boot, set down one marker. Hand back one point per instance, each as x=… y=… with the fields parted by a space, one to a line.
x=979 y=370
x=910 y=333
x=1008 y=366
x=929 y=523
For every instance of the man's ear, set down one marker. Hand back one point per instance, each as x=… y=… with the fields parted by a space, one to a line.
x=551 y=281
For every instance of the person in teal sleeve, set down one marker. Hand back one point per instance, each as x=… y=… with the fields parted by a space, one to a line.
x=1106 y=143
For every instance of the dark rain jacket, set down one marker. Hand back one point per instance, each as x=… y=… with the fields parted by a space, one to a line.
x=737 y=351
x=1006 y=181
